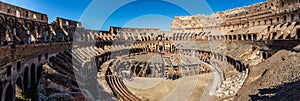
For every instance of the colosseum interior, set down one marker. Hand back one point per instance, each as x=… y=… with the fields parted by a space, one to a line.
x=246 y=53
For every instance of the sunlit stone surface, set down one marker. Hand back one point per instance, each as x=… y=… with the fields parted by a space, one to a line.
x=247 y=53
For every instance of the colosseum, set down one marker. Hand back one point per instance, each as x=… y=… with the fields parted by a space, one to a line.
x=246 y=53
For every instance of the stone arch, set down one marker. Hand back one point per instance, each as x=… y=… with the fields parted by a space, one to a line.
x=222 y=37
x=187 y=37
x=244 y=37
x=254 y=37
x=273 y=36
x=183 y=36
x=9 y=93
x=18 y=66
x=249 y=36
x=278 y=19
x=2 y=21
x=213 y=37
x=2 y=30
x=193 y=35
x=190 y=36
x=229 y=37
x=1 y=90
x=288 y=37
x=265 y=55
x=284 y=18
x=39 y=71
x=10 y=21
x=29 y=25
x=234 y=37
x=239 y=37
x=174 y=36
x=19 y=84
x=32 y=74
x=2 y=18
x=180 y=36
x=218 y=37
x=26 y=77
x=297 y=37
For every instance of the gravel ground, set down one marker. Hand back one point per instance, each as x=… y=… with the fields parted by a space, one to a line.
x=277 y=78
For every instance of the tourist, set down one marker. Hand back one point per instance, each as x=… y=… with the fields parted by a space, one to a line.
x=174 y=76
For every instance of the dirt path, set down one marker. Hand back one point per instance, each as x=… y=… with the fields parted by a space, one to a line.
x=200 y=87
x=156 y=93
x=143 y=83
x=183 y=90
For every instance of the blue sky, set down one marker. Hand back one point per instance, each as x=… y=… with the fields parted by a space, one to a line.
x=100 y=14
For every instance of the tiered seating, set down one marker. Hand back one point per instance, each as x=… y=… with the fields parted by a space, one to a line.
x=58 y=86
x=61 y=67
x=120 y=89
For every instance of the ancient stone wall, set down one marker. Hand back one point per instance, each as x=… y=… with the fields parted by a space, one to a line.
x=22 y=12
x=265 y=13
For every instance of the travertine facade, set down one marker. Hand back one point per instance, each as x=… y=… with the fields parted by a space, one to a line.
x=271 y=20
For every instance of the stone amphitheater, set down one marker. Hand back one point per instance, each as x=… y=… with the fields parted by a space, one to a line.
x=246 y=53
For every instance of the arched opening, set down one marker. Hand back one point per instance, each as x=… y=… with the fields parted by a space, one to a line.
x=265 y=55
x=8 y=72
x=288 y=37
x=26 y=78
x=249 y=37
x=280 y=37
x=222 y=37
x=19 y=86
x=254 y=37
x=46 y=56
x=18 y=65
x=229 y=37
x=1 y=90
x=39 y=58
x=239 y=37
x=214 y=38
x=9 y=94
x=180 y=36
x=234 y=37
x=273 y=36
x=39 y=71
x=244 y=37
x=297 y=34
x=32 y=76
